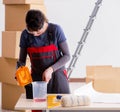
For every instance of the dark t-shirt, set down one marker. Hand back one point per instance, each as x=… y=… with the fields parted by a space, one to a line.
x=58 y=38
x=56 y=32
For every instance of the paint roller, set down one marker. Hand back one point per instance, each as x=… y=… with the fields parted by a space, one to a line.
x=74 y=100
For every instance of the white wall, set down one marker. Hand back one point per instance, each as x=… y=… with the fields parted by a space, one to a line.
x=2 y=14
x=102 y=45
x=2 y=22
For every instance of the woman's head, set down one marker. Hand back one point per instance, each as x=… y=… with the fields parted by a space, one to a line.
x=35 y=20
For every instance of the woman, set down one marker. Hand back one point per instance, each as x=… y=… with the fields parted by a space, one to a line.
x=46 y=45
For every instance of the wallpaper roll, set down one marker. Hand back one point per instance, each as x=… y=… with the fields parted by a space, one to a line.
x=73 y=100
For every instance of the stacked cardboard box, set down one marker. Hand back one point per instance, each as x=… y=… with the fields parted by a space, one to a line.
x=15 y=11
x=105 y=78
x=10 y=44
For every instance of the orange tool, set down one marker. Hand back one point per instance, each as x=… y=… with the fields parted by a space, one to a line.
x=23 y=76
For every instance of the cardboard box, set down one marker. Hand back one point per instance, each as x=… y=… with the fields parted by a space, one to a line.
x=89 y=79
x=10 y=44
x=15 y=15
x=90 y=71
x=10 y=95
x=107 y=80
x=8 y=69
x=41 y=2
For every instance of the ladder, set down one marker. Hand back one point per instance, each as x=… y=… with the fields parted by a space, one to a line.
x=83 y=38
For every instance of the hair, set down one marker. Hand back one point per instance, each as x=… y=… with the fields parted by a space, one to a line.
x=35 y=20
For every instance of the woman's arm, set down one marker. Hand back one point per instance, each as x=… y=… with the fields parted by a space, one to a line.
x=65 y=58
x=22 y=57
x=47 y=74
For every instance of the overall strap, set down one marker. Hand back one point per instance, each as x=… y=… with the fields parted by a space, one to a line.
x=51 y=33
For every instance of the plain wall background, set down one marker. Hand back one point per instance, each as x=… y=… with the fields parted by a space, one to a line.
x=102 y=44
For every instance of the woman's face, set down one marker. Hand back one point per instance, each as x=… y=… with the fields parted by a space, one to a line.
x=36 y=33
x=40 y=31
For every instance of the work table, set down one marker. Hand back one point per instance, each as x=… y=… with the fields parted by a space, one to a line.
x=25 y=104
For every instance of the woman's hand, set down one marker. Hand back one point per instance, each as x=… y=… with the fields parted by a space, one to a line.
x=47 y=74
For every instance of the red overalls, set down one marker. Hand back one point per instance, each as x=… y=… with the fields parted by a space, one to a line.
x=43 y=57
